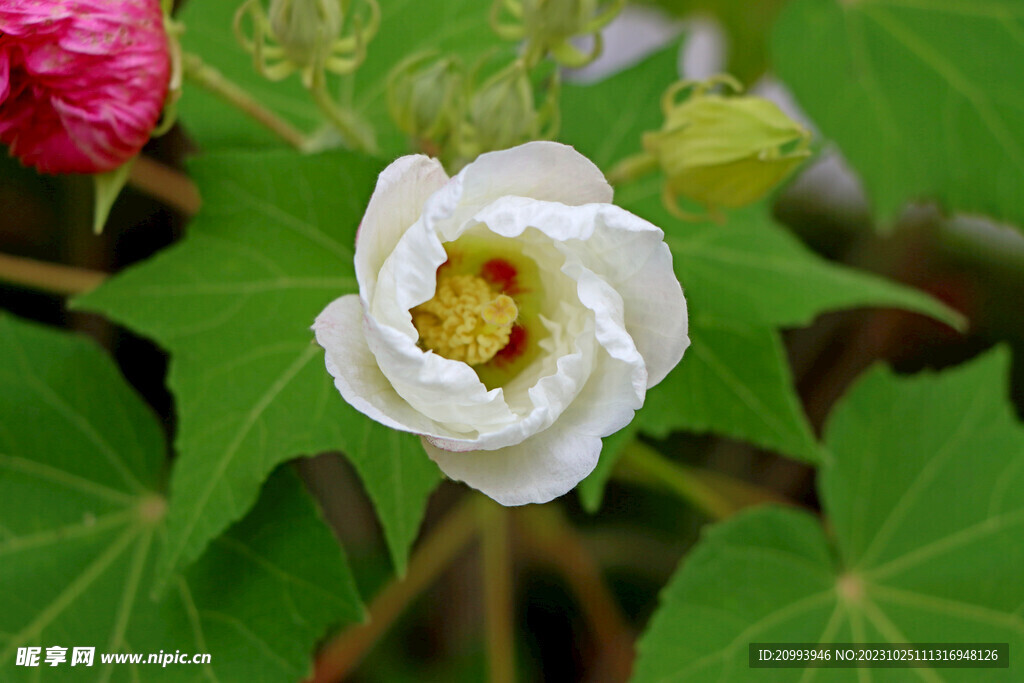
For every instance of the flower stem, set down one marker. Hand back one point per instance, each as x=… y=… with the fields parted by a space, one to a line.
x=171 y=187
x=498 y=591
x=451 y=535
x=48 y=277
x=632 y=168
x=355 y=135
x=714 y=494
x=211 y=79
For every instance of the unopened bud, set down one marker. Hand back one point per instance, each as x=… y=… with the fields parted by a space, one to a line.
x=426 y=96
x=502 y=113
x=305 y=29
x=306 y=36
x=548 y=26
x=724 y=151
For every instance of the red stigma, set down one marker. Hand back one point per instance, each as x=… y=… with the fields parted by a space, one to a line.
x=501 y=273
x=515 y=347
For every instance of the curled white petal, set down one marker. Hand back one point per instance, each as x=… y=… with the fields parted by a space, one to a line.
x=339 y=329
x=537 y=470
x=396 y=203
x=546 y=171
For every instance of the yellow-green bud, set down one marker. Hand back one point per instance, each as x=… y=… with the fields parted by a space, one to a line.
x=426 y=96
x=305 y=29
x=724 y=151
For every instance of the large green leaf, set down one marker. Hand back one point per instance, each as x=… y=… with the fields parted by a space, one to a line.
x=456 y=26
x=921 y=95
x=752 y=270
x=81 y=506
x=734 y=381
x=923 y=488
x=233 y=304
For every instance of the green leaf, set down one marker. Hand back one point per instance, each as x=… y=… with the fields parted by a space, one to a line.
x=596 y=123
x=734 y=381
x=752 y=270
x=81 y=506
x=916 y=119
x=924 y=489
x=233 y=304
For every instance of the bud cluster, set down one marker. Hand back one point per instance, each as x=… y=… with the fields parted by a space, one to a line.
x=435 y=102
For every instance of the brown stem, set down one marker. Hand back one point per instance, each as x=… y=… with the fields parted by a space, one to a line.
x=48 y=277
x=498 y=592
x=161 y=182
x=214 y=81
x=436 y=552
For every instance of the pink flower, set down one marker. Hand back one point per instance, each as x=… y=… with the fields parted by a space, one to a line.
x=82 y=82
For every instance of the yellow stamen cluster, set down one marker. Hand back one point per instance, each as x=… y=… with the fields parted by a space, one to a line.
x=466 y=320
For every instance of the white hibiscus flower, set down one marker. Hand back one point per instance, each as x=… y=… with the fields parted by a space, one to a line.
x=511 y=316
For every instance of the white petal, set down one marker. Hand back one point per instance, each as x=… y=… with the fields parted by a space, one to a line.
x=396 y=203
x=617 y=234
x=545 y=171
x=624 y=250
x=446 y=391
x=339 y=330
x=537 y=470
x=407 y=278
x=610 y=329
x=655 y=314
x=553 y=385
x=607 y=403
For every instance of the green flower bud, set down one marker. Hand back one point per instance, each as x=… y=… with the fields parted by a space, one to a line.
x=724 y=151
x=305 y=29
x=549 y=25
x=426 y=96
x=502 y=113
x=306 y=36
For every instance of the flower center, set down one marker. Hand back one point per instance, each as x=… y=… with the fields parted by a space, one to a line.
x=466 y=320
